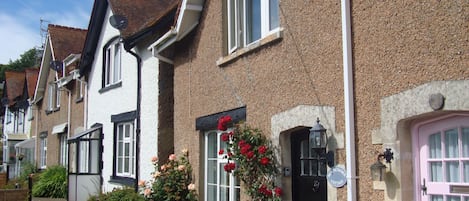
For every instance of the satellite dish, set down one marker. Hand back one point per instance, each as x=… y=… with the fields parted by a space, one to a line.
x=56 y=65
x=5 y=101
x=24 y=104
x=118 y=21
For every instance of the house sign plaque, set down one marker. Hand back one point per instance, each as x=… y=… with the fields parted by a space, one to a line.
x=337 y=177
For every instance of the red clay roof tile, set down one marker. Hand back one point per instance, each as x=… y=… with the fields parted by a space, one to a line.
x=66 y=40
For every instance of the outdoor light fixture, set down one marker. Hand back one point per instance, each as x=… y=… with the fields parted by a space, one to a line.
x=378 y=169
x=318 y=143
x=317 y=136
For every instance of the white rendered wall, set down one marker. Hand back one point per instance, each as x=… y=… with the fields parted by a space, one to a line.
x=124 y=99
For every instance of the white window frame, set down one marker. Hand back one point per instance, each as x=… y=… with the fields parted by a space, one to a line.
x=51 y=97
x=113 y=63
x=43 y=153
x=57 y=96
x=63 y=149
x=79 y=89
x=221 y=159
x=127 y=137
x=240 y=29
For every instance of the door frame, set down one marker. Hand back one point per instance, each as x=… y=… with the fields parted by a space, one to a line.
x=416 y=149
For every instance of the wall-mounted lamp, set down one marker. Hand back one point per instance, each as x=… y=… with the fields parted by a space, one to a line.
x=318 y=143
x=317 y=136
x=378 y=169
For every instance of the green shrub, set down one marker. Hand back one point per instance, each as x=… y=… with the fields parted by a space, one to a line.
x=52 y=183
x=126 y=194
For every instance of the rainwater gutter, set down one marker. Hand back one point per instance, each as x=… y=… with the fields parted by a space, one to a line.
x=348 y=100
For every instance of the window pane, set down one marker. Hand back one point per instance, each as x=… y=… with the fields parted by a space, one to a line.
x=127 y=131
x=224 y=194
x=212 y=145
x=436 y=170
x=465 y=142
x=211 y=192
x=304 y=149
x=305 y=168
x=452 y=171
x=108 y=66
x=437 y=198
x=453 y=198
x=127 y=149
x=212 y=171
x=119 y=164
x=224 y=176
x=117 y=62
x=232 y=24
x=314 y=167
x=273 y=14
x=451 y=143
x=126 y=165
x=435 y=145
x=237 y=194
x=466 y=171
x=322 y=167
x=253 y=20
x=120 y=131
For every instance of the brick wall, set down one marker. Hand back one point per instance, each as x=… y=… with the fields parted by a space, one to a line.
x=3 y=179
x=13 y=194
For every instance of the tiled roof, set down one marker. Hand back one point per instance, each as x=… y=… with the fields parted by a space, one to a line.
x=66 y=40
x=141 y=14
x=31 y=80
x=14 y=83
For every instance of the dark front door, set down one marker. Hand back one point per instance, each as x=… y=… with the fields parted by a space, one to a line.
x=308 y=169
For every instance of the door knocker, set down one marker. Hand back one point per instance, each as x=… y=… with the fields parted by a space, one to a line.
x=316 y=186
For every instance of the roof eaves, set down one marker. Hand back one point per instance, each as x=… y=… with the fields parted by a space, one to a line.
x=92 y=37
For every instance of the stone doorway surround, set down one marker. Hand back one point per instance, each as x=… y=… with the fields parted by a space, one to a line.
x=301 y=116
x=398 y=113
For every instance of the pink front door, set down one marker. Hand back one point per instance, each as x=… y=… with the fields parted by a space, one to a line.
x=443 y=159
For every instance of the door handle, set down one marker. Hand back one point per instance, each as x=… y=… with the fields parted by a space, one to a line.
x=424 y=188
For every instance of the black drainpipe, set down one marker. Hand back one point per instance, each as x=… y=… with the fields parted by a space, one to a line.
x=139 y=100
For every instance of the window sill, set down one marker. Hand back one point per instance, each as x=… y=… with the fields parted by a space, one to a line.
x=127 y=181
x=250 y=48
x=113 y=86
x=79 y=100
x=49 y=111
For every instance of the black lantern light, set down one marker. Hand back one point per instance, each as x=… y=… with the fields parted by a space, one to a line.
x=378 y=169
x=317 y=136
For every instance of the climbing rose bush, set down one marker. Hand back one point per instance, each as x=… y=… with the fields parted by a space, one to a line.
x=170 y=181
x=251 y=158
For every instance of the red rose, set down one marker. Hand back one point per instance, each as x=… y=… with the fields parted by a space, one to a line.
x=264 y=161
x=230 y=154
x=250 y=154
x=262 y=149
x=278 y=191
x=241 y=143
x=223 y=123
x=221 y=152
x=245 y=149
x=225 y=137
x=262 y=189
x=229 y=167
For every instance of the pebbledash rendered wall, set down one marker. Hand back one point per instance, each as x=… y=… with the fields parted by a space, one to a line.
x=399 y=50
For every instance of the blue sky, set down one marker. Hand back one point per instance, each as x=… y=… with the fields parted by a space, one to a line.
x=20 y=22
